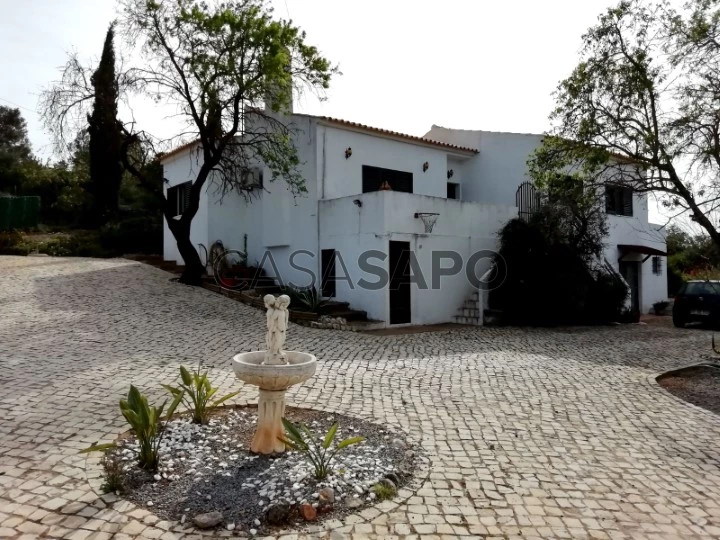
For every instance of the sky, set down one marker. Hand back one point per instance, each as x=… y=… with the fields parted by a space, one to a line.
x=406 y=64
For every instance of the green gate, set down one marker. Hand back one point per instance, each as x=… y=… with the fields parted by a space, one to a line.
x=19 y=212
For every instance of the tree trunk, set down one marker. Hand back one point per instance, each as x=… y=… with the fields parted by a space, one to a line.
x=194 y=270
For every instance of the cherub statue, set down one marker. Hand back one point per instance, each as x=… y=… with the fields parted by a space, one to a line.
x=277 y=322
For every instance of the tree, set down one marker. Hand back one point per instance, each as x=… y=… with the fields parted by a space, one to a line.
x=641 y=108
x=217 y=64
x=15 y=153
x=106 y=137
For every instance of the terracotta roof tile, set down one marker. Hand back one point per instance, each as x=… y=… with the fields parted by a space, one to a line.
x=415 y=138
x=349 y=124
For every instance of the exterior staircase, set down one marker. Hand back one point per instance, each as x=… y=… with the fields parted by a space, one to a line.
x=471 y=311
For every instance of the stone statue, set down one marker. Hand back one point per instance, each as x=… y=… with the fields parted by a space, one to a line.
x=277 y=322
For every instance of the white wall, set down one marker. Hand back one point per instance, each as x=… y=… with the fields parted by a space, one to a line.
x=495 y=174
x=274 y=220
x=178 y=169
x=388 y=216
x=343 y=177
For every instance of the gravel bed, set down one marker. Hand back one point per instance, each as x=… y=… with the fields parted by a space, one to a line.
x=209 y=468
x=699 y=385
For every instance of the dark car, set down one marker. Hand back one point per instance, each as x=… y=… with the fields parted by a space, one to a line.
x=697 y=301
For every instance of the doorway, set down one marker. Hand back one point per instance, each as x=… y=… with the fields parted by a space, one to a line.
x=400 y=283
x=630 y=271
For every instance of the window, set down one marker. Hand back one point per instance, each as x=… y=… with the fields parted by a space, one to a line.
x=701 y=287
x=252 y=178
x=453 y=191
x=619 y=200
x=374 y=177
x=179 y=197
x=657 y=265
x=327 y=280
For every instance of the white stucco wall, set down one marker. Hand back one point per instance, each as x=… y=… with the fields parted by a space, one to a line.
x=385 y=216
x=176 y=170
x=274 y=220
x=495 y=174
x=343 y=177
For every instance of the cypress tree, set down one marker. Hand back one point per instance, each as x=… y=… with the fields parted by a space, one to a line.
x=105 y=138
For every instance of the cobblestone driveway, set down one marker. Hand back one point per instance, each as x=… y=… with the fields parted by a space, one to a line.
x=530 y=433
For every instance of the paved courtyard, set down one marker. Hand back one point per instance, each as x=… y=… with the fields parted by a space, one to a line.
x=530 y=433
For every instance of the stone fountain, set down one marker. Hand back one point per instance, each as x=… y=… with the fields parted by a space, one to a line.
x=273 y=371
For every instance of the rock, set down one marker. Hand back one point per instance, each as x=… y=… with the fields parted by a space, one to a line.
x=277 y=514
x=307 y=512
x=208 y=521
x=389 y=484
x=327 y=495
x=393 y=477
x=354 y=502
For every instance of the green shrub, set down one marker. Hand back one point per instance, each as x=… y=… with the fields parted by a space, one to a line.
x=542 y=279
x=12 y=243
x=195 y=391
x=145 y=421
x=302 y=440
x=606 y=299
x=384 y=491
x=305 y=299
x=141 y=234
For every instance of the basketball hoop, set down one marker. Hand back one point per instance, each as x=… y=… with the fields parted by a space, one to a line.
x=428 y=219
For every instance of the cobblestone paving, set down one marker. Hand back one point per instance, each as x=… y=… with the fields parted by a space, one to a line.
x=530 y=433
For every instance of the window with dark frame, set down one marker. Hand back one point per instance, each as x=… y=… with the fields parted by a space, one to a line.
x=453 y=190
x=619 y=200
x=657 y=265
x=179 y=197
x=374 y=177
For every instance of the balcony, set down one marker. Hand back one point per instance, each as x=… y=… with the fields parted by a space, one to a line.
x=383 y=212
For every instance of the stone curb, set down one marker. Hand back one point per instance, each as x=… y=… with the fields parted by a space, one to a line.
x=94 y=476
x=653 y=380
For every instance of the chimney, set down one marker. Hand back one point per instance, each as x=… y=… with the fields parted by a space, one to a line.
x=281 y=96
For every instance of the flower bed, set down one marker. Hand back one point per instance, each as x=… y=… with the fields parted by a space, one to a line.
x=207 y=476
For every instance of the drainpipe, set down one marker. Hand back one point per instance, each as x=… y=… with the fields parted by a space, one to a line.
x=317 y=213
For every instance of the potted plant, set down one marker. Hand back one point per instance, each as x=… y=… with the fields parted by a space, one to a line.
x=660 y=307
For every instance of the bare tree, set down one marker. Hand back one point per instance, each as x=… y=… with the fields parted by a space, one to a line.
x=641 y=108
x=217 y=64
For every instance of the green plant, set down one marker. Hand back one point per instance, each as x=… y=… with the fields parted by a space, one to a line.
x=195 y=391
x=113 y=475
x=660 y=307
x=384 y=491
x=305 y=298
x=145 y=422
x=319 y=454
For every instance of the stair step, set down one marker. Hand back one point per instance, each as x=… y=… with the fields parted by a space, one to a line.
x=333 y=306
x=350 y=315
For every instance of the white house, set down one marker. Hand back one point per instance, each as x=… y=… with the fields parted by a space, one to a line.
x=348 y=234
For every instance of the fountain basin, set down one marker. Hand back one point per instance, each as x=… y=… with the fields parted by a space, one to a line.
x=248 y=368
x=273 y=381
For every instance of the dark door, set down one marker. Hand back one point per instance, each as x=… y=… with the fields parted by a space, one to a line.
x=327 y=280
x=400 y=283
x=631 y=272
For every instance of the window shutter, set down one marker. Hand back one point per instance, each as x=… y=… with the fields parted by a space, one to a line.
x=172 y=196
x=186 y=187
x=609 y=194
x=627 y=208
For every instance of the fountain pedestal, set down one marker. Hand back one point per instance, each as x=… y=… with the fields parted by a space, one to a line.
x=273 y=382
x=271 y=409
x=273 y=371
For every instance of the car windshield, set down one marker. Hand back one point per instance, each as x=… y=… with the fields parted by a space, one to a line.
x=702 y=287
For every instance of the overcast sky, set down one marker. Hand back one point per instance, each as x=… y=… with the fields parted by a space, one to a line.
x=406 y=64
